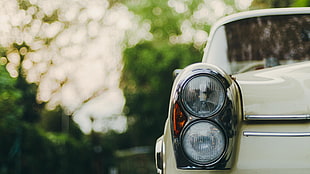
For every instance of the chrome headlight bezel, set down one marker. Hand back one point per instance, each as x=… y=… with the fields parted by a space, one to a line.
x=224 y=115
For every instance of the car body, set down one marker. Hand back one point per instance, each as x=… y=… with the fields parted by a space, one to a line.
x=246 y=107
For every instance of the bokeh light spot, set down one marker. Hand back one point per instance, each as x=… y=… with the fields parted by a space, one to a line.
x=3 y=61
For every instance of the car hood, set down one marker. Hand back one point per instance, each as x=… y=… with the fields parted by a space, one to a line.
x=279 y=90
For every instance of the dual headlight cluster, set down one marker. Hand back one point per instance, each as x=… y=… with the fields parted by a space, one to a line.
x=201 y=115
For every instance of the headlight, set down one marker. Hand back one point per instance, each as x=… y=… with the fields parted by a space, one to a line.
x=203 y=95
x=203 y=142
x=204 y=107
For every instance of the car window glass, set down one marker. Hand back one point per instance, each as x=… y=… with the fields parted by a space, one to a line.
x=218 y=50
x=262 y=42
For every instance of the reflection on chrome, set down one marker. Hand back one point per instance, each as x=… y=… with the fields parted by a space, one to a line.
x=277 y=117
x=276 y=134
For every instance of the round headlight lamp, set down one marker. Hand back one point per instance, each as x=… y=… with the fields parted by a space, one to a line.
x=203 y=95
x=203 y=142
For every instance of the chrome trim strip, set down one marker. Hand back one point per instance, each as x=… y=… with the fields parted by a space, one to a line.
x=276 y=134
x=295 y=117
x=159 y=155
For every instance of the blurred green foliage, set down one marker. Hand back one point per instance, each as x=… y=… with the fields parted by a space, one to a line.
x=257 y=4
x=147 y=78
x=165 y=21
x=35 y=140
x=301 y=3
x=28 y=145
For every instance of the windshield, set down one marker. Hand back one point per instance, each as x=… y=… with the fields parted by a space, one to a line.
x=261 y=42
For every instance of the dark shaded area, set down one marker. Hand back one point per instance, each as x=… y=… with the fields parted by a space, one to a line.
x=282 y=37
x=35 y=140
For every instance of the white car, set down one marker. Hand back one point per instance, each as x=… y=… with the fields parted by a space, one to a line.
x=246 y=107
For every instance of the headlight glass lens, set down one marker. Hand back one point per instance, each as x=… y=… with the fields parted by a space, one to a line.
x=203 y=142
x=203 y=96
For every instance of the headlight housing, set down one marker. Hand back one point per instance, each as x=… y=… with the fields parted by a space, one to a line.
x=203 y=117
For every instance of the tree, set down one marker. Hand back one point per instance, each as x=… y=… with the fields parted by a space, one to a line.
x=58 y=53
x=28 y=145
x=70 y=51
x=148 y=75
x=11 y=114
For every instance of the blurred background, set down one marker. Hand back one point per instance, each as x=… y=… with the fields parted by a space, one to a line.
x=85 y=84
